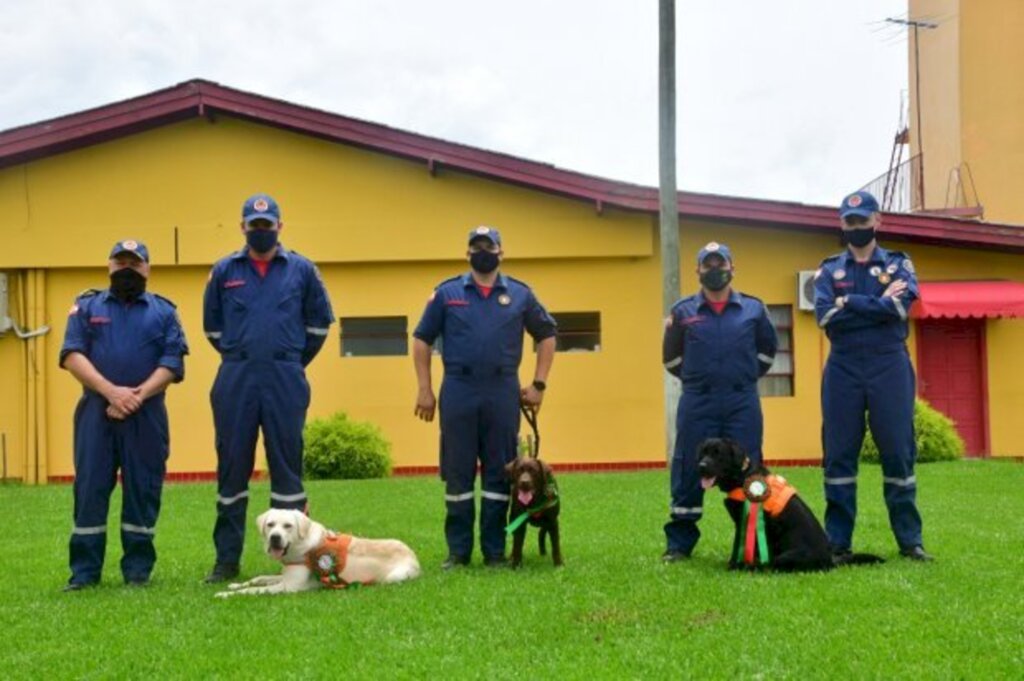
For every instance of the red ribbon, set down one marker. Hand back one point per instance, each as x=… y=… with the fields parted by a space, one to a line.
x=751 y=534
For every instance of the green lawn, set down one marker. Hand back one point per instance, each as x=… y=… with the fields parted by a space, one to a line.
x=614 y=611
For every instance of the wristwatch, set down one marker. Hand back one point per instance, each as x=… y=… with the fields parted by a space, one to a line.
x=540 y=385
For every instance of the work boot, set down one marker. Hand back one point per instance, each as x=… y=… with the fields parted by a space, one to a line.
x=674 y=556
x=78 y=586
x=222 y=572
x=917 y=553
x=496 y=562
x=454 y=561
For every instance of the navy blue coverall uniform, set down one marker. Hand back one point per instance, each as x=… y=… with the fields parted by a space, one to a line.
x=719 y=358
x=126 y=343
x=868 y=369
x=266 y=329
x=482 y=347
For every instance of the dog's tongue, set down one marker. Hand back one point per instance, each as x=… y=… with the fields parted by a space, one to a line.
x=707 y=483
x=276 y=554
x=525 y=498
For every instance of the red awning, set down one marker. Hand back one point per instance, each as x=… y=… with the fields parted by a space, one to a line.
x=965 y=299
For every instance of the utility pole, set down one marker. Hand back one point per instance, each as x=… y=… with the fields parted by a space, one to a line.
x=668 y=197
x=916 y=24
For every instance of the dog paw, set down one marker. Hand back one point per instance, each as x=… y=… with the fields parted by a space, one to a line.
x=223 y=594
x=235 y=586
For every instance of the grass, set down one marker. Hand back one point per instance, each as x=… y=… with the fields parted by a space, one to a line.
x=614 y=611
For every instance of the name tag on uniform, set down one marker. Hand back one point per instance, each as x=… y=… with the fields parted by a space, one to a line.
x=99 y=320
x=234 y=283
x=456 y=303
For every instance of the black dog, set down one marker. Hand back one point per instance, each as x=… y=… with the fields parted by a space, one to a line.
x=796 y=541
x=535 y=501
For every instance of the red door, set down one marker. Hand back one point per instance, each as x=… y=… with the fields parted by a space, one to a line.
x=951 y=375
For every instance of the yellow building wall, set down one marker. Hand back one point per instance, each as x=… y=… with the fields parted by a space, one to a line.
x=940 y=95
x=381 y=248
x=1005 y=372
x=971 y=100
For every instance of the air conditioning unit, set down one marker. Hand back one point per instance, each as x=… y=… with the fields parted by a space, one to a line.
x=805 y=289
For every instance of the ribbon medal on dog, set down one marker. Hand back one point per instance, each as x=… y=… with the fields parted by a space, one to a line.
x=756 y=491
x=327 y=561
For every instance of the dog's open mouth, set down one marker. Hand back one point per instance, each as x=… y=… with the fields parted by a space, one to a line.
x=708 y=483
x=524 y=497
x=277 y=554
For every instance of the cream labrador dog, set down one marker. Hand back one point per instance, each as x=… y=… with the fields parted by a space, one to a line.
x=315 y=557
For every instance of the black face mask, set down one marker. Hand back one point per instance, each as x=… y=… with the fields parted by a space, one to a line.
x=261 y=240
x=858 y=238
x=127 y=285
x=715 y=280
x=484 y=262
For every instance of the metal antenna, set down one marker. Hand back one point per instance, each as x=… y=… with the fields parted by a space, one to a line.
x=917 y=24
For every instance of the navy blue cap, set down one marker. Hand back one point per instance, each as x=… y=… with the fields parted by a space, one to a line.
x=260 y=206
x=485 y=232
x=859 y=203
x=714 y=248
x=136 y=248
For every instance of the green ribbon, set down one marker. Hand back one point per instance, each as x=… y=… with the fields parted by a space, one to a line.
x=762 y=537
x=521 y=518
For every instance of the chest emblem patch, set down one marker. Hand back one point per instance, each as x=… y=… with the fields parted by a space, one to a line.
x=504 y=299
x=839 y=274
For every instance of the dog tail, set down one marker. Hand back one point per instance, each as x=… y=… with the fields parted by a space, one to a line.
x=857 y=559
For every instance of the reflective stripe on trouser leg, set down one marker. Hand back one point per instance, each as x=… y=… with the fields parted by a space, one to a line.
x=891 y=414
x=95 y=479
x=143 y=445
x=236 y=414
x=499 y=433
x=458 y=415
x=283 y=415
x=843 y=401
x=696 y=420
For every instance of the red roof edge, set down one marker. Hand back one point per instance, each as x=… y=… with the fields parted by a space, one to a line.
x=205 y=98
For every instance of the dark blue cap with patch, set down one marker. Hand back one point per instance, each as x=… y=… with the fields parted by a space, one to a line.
x=136 y=248
x=860 y=203
x=714 y=248
x=485 y=232
x=260 y=206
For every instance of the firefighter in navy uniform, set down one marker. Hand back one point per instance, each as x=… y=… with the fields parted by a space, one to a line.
x=862 y=298
x=719 y=342
x=125 y=346
x=481 y=316
x=266 y=312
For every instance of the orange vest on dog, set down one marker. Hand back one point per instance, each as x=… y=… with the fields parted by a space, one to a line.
x=327 y=561
x=779 y=494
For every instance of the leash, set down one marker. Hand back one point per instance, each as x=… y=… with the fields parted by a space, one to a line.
x=531 y=417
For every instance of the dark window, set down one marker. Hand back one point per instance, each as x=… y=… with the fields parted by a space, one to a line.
x=374 y=336
x=778 y=382
x=578 y=331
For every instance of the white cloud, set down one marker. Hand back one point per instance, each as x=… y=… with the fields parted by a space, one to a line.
x=793 y=100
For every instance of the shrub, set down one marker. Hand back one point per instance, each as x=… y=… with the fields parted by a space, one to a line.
x=936 y=436
x=338 y=447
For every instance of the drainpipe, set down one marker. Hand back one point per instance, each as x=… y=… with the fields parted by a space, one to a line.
x=32 y=309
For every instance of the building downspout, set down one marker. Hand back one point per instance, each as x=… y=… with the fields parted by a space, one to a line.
x=32 y=310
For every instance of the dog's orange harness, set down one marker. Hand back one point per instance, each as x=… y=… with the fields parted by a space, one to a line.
x=327 y=561
x=779 y=494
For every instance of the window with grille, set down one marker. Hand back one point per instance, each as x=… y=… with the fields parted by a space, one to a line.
x=374 y=336
x=578 y=331
x=778 y=382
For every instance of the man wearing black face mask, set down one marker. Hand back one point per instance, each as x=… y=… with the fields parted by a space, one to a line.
x=266 y=312
x=125 y=346
x=481 y=316
x=719 y=342
x=862 y=298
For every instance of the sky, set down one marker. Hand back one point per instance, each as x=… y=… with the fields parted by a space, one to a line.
x=796 y=100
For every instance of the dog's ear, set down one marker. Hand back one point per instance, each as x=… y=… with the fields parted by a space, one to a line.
x=302 y=524
x=546 y=473
x=261 y=522
x=510 y=469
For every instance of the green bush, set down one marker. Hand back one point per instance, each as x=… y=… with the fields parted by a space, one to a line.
x=936 y=436
x=339 y=448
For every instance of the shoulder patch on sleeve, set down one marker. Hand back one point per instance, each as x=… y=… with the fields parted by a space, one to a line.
x=166 y=300
x=908 y=265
